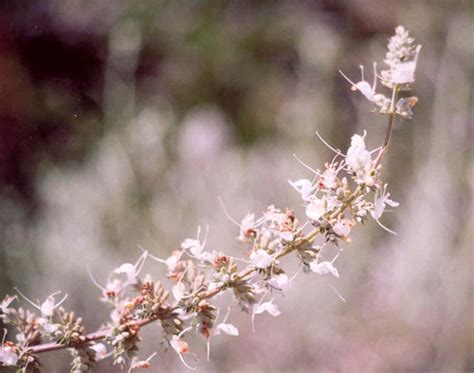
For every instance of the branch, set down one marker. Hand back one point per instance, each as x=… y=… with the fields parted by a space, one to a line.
x=333 y=205
x=102 y=334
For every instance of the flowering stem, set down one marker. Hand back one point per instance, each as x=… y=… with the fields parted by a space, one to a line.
x=388 y=135
x=95 y=336
x=151 y=301
x=102 y=334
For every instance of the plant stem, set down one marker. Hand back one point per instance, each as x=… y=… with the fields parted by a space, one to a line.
x=308 y=238
x=388 y=135
x=102 y=334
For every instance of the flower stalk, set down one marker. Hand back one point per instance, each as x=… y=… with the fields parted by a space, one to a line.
x=348 y=191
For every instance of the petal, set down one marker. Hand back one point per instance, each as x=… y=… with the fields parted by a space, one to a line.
x=315 y=209
x=323 y=268
x=342 y=229
x=304 y=187
x=228 y=329
x=47 y=307
x=128 y=270
x=280 y=281
x=261 y=259
x=189 y=243
x=358 y=141
x=391 y=203
x=269 y=307
x=8 y=357
x=171 y=262
x=179 y=345
x=196 y=251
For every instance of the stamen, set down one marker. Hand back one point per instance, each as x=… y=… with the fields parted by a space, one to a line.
x=94 y=281
x=159 y=260
x=337 y=293
x=5 y=331
x=362 y=72
x=27 y=299
x=374 y=84
x=337 y=151
x=226 y=315
x=345 y=77
x=305 y=165
x=140 y=262
x=227 y=213
x=61 y=301
x=385 y=228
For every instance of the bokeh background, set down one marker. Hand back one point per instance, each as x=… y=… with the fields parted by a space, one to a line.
x=121 y=122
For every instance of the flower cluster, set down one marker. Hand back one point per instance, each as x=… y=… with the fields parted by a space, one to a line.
x=401 y=60
x=346 y=192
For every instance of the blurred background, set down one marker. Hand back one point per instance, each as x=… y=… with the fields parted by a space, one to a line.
x=121 y=122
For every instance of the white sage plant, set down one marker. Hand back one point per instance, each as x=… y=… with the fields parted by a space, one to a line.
x=346 y=192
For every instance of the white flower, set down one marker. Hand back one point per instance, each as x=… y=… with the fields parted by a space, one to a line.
x=380 y=202
x=8 y=357
x=138 y=364
x=269 y=307
x=342 y=227
x=304 y=187
x=173 y=260
x=358 y=157
x=323 y=268
x=404 y=72
x=131 y=271
x=113 y=287
x=247 y=225
x=359 y=161
x=194 y=245
x=5 y=309
x=280 y=281
x=191 y=244
x=401 y=58
x=358 y=141
x=369 y=91
x=228 y=329
x=315 y=209
x=180 y=346
x=6 y=303
x=209 y=257
x=48 y=306
x=273 y=215
x=47 y=326
x=261 y=259
x=329 y=178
